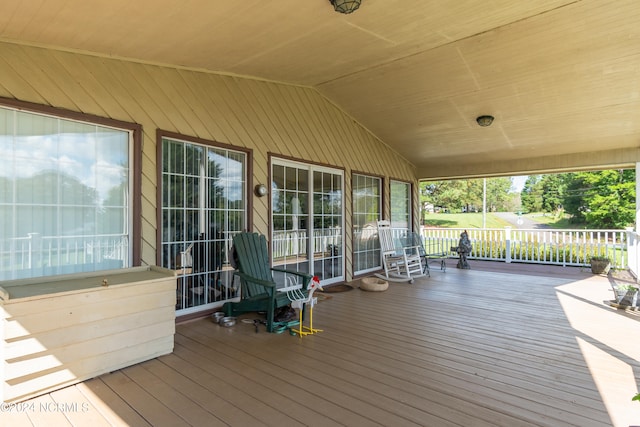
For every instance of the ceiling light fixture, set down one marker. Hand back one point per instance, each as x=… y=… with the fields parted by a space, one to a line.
x=345 y=6
x=484 y=121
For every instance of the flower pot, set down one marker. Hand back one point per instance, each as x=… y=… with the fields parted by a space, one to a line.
x=625 y=293
x=599 y=266
x=620 y=294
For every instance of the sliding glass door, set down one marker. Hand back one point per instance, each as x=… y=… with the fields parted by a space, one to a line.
x=307 y=204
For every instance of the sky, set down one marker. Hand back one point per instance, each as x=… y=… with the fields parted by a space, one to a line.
x=518 y=182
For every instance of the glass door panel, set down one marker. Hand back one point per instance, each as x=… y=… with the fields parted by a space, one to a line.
x=327 y=225
x=290 y=217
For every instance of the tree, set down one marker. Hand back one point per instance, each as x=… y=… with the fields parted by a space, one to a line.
x=574 y=202
x=532 y=194
x=552 y=192
x=611 y=201
x=604 y=199
x=448 y=195
x=473 y=194
x=54 y=203
x=498 y=196
x=466 y=195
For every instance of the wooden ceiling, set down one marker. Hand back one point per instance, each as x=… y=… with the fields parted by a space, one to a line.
x=561 y=77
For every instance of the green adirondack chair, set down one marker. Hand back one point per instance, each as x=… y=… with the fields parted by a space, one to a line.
x=258 y=287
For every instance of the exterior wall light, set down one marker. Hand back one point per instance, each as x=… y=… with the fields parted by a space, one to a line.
x=261 y=190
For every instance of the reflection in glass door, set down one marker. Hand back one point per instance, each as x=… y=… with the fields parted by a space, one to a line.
x=290 y=217
x=307 y=219
x=400 y=193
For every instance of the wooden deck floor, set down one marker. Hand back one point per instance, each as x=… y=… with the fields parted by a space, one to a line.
x=461 y=348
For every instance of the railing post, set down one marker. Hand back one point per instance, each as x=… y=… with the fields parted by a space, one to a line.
x=35 y=250
x=507 y=238
x=633 y=255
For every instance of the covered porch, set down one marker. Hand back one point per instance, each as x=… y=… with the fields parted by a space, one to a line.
x=497 y=345
x=386 y=95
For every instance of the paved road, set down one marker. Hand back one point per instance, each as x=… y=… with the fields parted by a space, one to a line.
x=520 y=222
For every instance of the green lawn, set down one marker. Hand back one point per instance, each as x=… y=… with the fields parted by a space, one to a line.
x=553 y=220
x=463 y=220
x=474 y=220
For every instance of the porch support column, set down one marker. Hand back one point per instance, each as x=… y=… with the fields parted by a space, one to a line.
x=637 y=195
x=633 y=249
x=507 y=238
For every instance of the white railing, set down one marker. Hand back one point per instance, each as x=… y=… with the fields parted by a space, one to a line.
x=294 y=243
x=36 y=255
x=559 y=247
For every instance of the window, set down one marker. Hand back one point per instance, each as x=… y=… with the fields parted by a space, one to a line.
x=204 y=204
x=400 y=205
x=367 y=209
x=65 y=195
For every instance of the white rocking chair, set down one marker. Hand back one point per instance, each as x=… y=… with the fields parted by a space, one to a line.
x=401 y=263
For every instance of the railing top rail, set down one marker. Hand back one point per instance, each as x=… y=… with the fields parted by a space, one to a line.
x=541 y=245
x=567 y=230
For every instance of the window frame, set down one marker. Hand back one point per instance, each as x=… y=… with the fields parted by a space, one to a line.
x=189 y=311
x=135 y=169
x=380 y=179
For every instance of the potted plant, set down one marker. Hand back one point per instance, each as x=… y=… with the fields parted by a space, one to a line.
x=623 y=289
x=600 y=265
x=624 y=292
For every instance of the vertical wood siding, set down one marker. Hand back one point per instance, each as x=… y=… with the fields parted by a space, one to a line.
x=263 y=116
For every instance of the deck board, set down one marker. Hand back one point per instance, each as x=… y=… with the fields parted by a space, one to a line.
x=459 y=348
x=251 y=389
x=109 y=405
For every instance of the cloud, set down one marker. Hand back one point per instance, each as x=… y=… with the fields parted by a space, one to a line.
x=98 y=160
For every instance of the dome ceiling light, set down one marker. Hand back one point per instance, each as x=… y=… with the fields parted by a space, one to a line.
x=345 y=6
x=484 y=121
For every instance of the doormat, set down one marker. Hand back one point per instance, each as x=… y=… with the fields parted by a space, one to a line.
x=337 y=288
x=321 y=297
